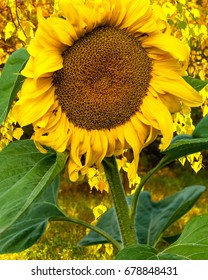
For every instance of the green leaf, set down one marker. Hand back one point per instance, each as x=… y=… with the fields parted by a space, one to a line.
x=27 y=201
x=181 y=137
x=152 y=218
x=137 y=252
x=183 y=145
x=170 y=21
x=180 y=7
x=32 y=223
x=144 y=252
x=105 y=223
x=24 y=174
x=201 y=130
x=182 y=148
x=182 y=24
x=171 y=239
x=11 y=81
x=193 y=242
x=195 y=83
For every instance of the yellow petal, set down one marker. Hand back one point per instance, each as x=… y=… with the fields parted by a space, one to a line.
x=134 y=142
x=102 y=10
x=120 y=135
x=73 y=170
x=118 y=13
x=153 y=133
x=56 y=138
x=104 y=145
x=49 y=120
x=161 y=18
x=159 y=117
x=99 y=146
x=45 y=34
x=40 y=148
x=78 y=15
x=29 y=109
x=54 y=116
x=62 y=132
x=171 y=102
x=111 y=142
x=141 y=129
x=47 y=62
x=62 y=30
x=28 y=70
x=74 y=150
x=27 y=113
x=34 y=46
x=84 y=141
x=160 y=67
x=176 y=85
x=168 y=44
x=139 y=17
x=35 y=88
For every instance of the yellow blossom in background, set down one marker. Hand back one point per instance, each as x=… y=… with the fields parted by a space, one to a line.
x=188 y=20
x=124 y=165
x=98 y=211
x=8 y=132
x=9 y=30
x=195 y=161
x=18 y=22
x=97 y=180
x=183 y=123
x=169 y=9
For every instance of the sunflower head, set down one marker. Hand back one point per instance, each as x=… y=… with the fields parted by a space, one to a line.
x=103 y=66
x=103 y=76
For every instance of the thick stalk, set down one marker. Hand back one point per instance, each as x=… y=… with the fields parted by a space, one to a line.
x=127 y=229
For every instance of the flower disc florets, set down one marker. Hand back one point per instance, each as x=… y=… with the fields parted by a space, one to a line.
x=104 y=78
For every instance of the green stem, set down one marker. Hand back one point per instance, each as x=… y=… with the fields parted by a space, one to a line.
x=94 y=228
x=127 y=229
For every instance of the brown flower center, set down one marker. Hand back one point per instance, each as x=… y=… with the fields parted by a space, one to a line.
x=104 y=78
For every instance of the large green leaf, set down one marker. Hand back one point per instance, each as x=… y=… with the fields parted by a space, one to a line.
x=109 y=224
x=201 y=130
x=193 y=242
x=24 y=174
x=11 y=81
x=31 y=224
x=195 y=83
x=27 y=196
x=155 y=217
x=180 y=148
x=137 y=252
x=152 y=218
x=144 y=252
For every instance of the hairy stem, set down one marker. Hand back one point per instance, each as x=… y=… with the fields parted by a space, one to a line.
x=126 y=225
x=94 y=228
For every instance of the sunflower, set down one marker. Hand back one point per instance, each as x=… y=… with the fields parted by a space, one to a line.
x=103 y=76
